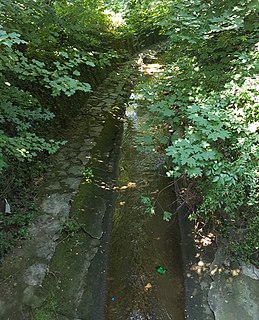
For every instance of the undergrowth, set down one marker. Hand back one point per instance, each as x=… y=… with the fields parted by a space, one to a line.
x=206 y=102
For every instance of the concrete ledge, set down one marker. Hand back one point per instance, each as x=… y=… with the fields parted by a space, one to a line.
x=214 y=289
x=196 y=284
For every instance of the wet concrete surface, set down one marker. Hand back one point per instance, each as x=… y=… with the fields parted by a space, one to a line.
x=45 y=276
x=234 y=291
x=215 y=289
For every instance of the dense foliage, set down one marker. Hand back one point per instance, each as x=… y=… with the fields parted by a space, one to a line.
x=207 y=100
x=44 y=47
x=49 y=50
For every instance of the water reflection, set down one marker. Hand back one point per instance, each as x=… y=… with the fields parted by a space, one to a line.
x=140 y=243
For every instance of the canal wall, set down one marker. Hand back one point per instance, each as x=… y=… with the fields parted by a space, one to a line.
x=215 y=289
x=51 y=274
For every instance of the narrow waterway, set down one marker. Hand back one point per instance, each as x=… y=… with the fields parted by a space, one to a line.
x=60 y=271
x=140 y=243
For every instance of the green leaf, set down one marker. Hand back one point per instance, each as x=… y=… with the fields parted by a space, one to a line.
x=167 y=216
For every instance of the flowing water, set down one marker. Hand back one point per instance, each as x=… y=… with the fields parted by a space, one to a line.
x=140 y=243
x=62 y=276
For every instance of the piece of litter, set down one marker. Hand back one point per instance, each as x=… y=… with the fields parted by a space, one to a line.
x=161 y=270
x=5 y=207
x=113 y=299
x=147 y=287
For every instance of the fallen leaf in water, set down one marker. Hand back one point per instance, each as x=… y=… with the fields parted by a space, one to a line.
x=147 y=287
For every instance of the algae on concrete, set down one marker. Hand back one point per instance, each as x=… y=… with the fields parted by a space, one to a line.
x=29 y=279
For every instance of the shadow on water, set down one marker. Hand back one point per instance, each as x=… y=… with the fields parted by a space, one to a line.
x=140 y=243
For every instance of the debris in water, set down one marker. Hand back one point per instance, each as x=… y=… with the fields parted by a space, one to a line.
x=113 y=299
x=147 y=287
x=161 y=270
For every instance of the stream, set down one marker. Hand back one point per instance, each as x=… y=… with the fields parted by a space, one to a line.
x=139 y=243
x=93 y=251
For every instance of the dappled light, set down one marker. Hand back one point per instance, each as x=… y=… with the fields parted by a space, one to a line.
x=116 y=18
x=105 y=186
x=145 y=262
x=130 y=185
x=202 y=238
x=152 y=68
x=129 y=137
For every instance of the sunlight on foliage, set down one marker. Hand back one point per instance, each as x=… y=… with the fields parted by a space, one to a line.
x=207 y=101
